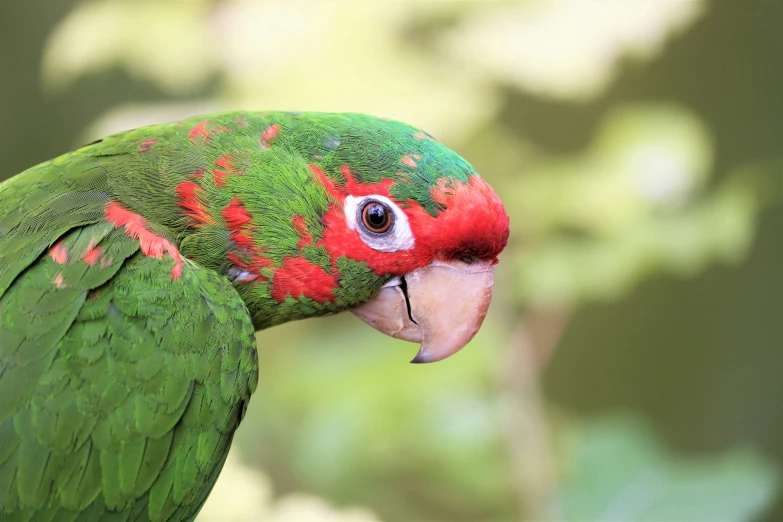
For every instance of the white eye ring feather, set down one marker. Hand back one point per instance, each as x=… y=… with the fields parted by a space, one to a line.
x=399 y=236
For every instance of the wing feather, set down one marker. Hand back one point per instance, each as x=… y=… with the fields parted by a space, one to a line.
x=120 y=388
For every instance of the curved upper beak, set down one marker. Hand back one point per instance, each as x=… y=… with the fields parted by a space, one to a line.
x=440 y=306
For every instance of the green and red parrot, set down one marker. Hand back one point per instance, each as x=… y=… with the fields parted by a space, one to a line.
x=135 y=271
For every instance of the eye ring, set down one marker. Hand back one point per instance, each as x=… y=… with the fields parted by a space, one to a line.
x=398 y=235
x=377 y=217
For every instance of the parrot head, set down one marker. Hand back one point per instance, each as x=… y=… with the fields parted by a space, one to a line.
x=332 y=212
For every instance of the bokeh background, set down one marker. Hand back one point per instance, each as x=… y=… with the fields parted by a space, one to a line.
x=630 y=367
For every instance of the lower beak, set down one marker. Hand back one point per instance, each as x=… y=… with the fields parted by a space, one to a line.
x=440 y=306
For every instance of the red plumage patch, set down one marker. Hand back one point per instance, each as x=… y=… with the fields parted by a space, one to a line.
x=331 y=188
x=407 y=160
x=301 y=229
x=219 y=176
x=472 y=223
x=355 y=188
x=58 y=253
x=244 y=241
x=224 y=161
x=252 y=264
x=188 y=193
x=147 y=145
x=93 y=254
x=238 y=223
x=351 y=186
x=235 y=215
x=269 y=134
x=299 y=277
x=199 y=130
x=152 y=245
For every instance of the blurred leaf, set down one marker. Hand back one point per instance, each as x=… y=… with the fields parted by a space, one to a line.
x=565 y=49
x=173 y=50
x=632 y=204
x=243 y=494
x=323 y=56
x=618 y=471
x=309 y=508
x=644 y=158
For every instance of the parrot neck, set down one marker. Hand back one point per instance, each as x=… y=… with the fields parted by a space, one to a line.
x=267 y=246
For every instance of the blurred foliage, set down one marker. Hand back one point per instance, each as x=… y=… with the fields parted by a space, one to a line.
x=566 y=50
x=245 y=494
x=636 y=146
x=620 y=472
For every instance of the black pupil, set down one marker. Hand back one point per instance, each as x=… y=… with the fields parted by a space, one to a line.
x=377 y=217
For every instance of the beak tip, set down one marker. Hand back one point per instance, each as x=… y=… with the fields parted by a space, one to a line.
x=422 y=358
x=425 y=356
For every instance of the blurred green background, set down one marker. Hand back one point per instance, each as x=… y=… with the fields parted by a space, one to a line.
x=630 y=367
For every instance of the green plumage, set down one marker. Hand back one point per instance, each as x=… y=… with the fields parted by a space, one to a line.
x=125 y=369
x=118 y=392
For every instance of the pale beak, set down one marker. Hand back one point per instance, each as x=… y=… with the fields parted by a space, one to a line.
x=440 y=306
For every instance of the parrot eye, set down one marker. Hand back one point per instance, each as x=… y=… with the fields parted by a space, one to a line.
x=376 y=217
x=380 y=222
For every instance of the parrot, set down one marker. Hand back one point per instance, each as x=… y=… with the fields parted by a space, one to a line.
x=135 y=271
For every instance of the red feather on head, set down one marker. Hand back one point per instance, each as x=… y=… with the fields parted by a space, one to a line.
x=472 y=223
